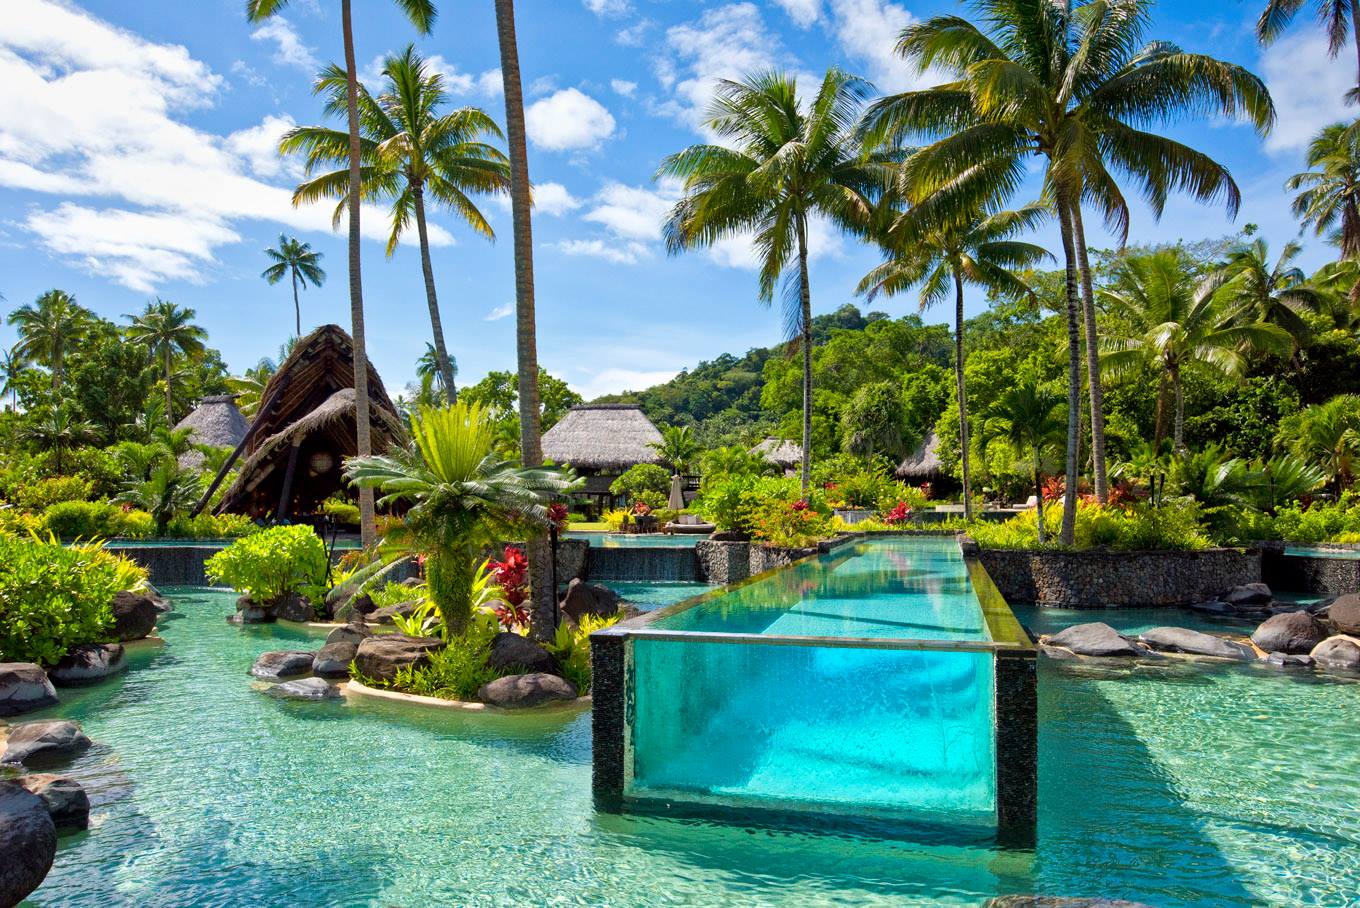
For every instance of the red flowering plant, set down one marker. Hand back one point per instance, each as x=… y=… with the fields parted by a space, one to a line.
x=558 y=515
x=799 y=505
x=512 y=576
x=1054 y=487
x=928 y=490
x=641 y=508
x=901 y=513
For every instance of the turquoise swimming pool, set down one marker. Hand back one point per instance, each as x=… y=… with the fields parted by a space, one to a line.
x=649 y=595
x=1183 y=788
x=637 y=540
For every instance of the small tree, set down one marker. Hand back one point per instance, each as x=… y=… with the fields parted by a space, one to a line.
x=874 y=422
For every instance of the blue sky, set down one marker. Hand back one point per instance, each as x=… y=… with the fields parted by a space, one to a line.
x=136 y=160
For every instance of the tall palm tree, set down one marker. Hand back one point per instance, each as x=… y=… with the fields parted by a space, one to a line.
x=431 y=374
x=1178 y=321
x=1277 y=292
x=1075 y=83
x=296 y=260
x=48 y=328
x=422 y=14
x=1329 y=191
x=978 y=249
x=166 y=330
x=12 y=366
x=1339 y=17
x=1029 y=418
x=59 y=427
x=410 y=150
x=1328 y=435
x=787 y=163
x=677 y=448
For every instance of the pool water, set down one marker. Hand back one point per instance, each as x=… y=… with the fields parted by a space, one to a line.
x=1310 y=552
x=649 y=596
x=637 y=540
x=1175 y=786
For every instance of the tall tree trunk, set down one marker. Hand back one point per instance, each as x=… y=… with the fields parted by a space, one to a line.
x=297 y=306
x=169 y=408
x=56 y=367
x=805 y=314
x=368 y=531
x=1039 y=498
x=441 y=353
x=1355 y=34
x=1069 y=520
x=1159 y=430
x=1088 y=313
x=543 y=613
x=1179 y=391
x=963 y=397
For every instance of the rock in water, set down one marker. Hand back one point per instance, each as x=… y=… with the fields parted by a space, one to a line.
x=66 y=802
x=305 y=689
x=1195 y=643
x=134 y=616
x=380 y=656
x=523 y=691
x=333 y=659
x=279 y=665
x=293 y=607
x=28 y=842
x=1094 y=639
x=513 y=653
x=1344 y=614
x=89 y=664
x=1249 y=594
x=33 y=742
x=1338 y=654
x=350 y=633
x=589 y=599
x=24 y=687
x=1291 y=632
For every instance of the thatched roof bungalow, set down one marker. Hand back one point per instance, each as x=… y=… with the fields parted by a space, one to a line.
x=215 y=422
x=923 y=464
x=784 y=454
x=601 y=441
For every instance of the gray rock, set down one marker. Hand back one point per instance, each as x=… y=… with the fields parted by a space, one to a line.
x=589 y=599
x=1094 y=639
x=1054 y=901
x=158 y=599
x=44 y=741
x=385 y=615
x=279 y=665
x=1195 y=643
x=28 y=842
x=1291 y=632
x=305 y=689
x=1289 y=660
x=513 y=653
x=88 y=664
x=349 y=633
x=523 y=691
x=293 y=607
x=381 y=655
x=1248 y=594
x=1344 y=614
x=252 y=614
x=1338 y=654
x=66 y=802
x=333 y=659
x=134 y=616
x=1213 y=607
x=24 y=687
x=362 y=604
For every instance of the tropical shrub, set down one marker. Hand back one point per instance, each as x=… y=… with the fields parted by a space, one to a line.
x=1319 y=522
x=394 y=593
x=211 y=526
x=1176 y=526
x=722 y=502
x=652 y=501
x=642 y=478
x=14 y=522
x=455 y=672
x=342 y=512
x=95 y=520
x=795 y=524
x=40 y=495
x=272 y=563
x=615 y=518
x=571 y=646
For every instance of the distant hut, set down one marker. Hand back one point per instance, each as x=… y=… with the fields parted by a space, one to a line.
x=305 y=428
x=215 y=422
x=781 y=452
x=923 y=464
x=601 y=441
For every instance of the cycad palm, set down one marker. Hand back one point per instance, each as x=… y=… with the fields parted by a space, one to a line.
x=1075 y=83
x=1277 y=292
x=978 y=250
x=422 y=15
x=1339 y=17
x=785 y=163
x=48 y=329
x=166 y=330
x=1328 y=435
x=1329 y=191
x=1028 y=417
x=295 y=260
x=409 y=151
x=56 y=428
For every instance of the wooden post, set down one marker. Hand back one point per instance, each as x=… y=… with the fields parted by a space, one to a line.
x=287 y=490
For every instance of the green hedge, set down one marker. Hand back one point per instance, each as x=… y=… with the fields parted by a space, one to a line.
x=272 y=563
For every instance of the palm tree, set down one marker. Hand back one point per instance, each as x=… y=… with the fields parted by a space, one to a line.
x=1150 y=461
x=59 y=427
x=431 y=373
x=1178 y=321
x=167 y=492
x=48 y=328
x=1077 y=85
x=1329 y=193
x=296 y=260
x=977 y=250
x=422 y=14
x=788 y=163
x=1328 y=435
x=12 y=366
x=1028 y=418
x=409 y=150
x=166 y=330
x=1276 y=293
x=677 y=448
x=463 y=498
x=1339 y=17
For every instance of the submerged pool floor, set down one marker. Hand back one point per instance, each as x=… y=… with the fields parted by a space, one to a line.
x=1169 y=785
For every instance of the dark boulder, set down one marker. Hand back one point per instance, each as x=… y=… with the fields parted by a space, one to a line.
x=24 y=687
x=513 y=653
x=361 y=604
x=88 y=664
x=589 y=599
x=1195 y=643
x=44 y=741
x=523 y=691
x=380 y=656
x=1338 y=654
x=1291 y=632
x=333 y=659
x=279 y=665
x=349 y=633
x=387 y=613
x=66 y=802
x=293 y=607
x=158 y=599
x=1094 y=639
x=1213 y=607
x=1287 y=660
x=1344 y=614
x=1249 y=594
x=134 y=616
x=305 y=689
x=28 y=842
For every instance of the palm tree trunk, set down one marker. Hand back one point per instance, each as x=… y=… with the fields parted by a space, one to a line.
x=1179 y=431
x=297 y=306
x=368 y=532
x=441 y=353
x=542 y=614
x=1159 y=430
x=1355 y=34
x=169 y=409
x=56 y=367
x=1088 y=312
x=1069 y=520
x=1039 y=497
x=805 y=314
x=963 y=397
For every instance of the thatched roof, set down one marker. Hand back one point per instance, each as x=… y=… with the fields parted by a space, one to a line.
x=781 y=452
x=924 y=462
x=602 y=438
x=215 y=421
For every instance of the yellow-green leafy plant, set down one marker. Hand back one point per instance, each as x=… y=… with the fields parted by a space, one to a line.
x=571 y=646
x=271 y=564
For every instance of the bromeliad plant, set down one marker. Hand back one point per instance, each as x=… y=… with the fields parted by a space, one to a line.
x=512 y=577
x=463 y=497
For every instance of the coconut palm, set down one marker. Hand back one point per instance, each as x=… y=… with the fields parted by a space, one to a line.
x=1339 y=17
x=1277 y=292
x=49 y=328
x=410 y=151
x=1075 y=83
x=1180 y=322
x=1327 y=435
x=784 y=164
x=422 y=14
x=166 y=330
x=12 y=366
x=978 y=249
x=677 y=448
x=1329 y=191
x=431 y=374
x=1029 y=418
x=463 y=497
x=56 y=428
x=295 y=260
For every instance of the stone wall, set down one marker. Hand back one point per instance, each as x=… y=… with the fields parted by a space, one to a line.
x=723 y=562
x=1108 y=579
x=1315 y=575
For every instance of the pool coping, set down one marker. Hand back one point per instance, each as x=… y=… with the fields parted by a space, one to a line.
x=359 y=689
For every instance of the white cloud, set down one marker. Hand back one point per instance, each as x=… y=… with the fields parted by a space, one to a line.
x=620 y=253
x=490 y=84
x=500 y=312
x=726 y=42
x=608 y=7
x=803 y=12
x=867 y=31
x=1307 y=86
x=568 y=120
x=259 y=146
x=289 y=49
x=456 y=82
x=623 y=87
x=616 y=381
x=635 y=34
x=554 y=199
x=739 y=251
x=632 y=212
